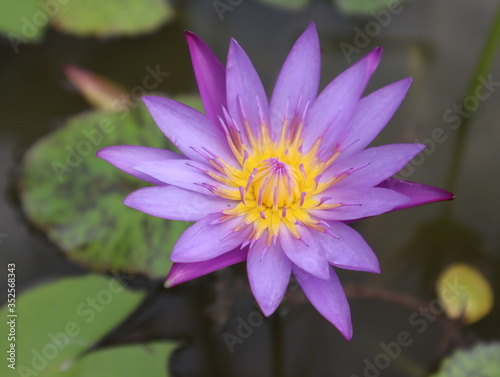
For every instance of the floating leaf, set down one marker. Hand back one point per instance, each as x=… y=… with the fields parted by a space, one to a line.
x=60 y=320
x=77 y=198
x=464 y=292
x=24 y=20
x=287 y=4
x=99 y=91
x=483 y=360
x=135 y=360
x=366 y=7
x=112 y=17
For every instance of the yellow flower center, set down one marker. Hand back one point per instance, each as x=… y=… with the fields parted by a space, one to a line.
x=276 y=183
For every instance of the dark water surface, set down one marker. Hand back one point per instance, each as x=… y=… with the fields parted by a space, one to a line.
x=435 y=42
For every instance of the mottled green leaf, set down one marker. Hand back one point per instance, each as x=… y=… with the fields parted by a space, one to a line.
x=287 y=4
x=112 y=17
x=24 y=20
x=135 y=360
x=58 y=321
x=482 y=360
x=77 y=198
x=366 y=7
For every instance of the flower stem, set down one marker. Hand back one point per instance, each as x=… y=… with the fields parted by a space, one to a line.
x=277 y=342
x=483 y=69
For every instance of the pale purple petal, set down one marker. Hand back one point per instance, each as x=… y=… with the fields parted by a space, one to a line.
x=186 y=174
x=358 y=203
x=125 y=156
x=349 y=250
x=188 y=129
x=305 y=252
x=371 y=116
x=332 y=110
x=269 y=272
x=419 y=194
x=173 y=203
x=207 y=239
x=375 y=164
x=328 y=297
x=182 y=272
x=243 y=86
x=210 y=75
x=298 y=81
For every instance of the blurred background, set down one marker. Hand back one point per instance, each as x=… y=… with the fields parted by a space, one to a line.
x=89 y=271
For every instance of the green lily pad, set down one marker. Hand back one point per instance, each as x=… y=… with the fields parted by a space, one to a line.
x=58 y=321
x=287 y=4
x=134 y=360
x=366 y=7
x=24 y=21
x=475 y=297
x=77 y=198
x=483 y=360
x=111 y=17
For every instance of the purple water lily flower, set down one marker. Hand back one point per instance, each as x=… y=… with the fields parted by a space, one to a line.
x=274 y=184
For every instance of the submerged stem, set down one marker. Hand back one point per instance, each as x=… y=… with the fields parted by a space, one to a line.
x=277 y=344
x=483 y=69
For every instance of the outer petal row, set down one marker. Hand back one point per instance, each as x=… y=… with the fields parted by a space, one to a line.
x=419 y=194
x=207 y=239
x=375 y=164
x=188 y=129
x=182 y=272
x=357 y=202
x=334 y=107
x=298 y=81
x=124 y=157
x=173 y=203
x=210 y=75
x=328 y=297
x=269 y=272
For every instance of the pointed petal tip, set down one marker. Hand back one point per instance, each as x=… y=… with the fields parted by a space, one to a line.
x=347 y=333
x=311 y=27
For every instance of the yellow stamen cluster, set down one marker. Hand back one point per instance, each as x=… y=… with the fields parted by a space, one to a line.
x=275 y=182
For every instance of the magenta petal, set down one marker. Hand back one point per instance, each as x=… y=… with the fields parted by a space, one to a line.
x=298 y=81
x=173 y=203
x=375 y=164
x=331 y=111
x=243 y=86
x=372 y=114
x=358 y=203
x=181 y=272
x=188 y=129
x=125 y=156
x=207 y=239
x=349 y=250
x=328 y=297
x=306 y=252
x=210 y=75
x=186 y=174
x=269 y=272
x=419 y=194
